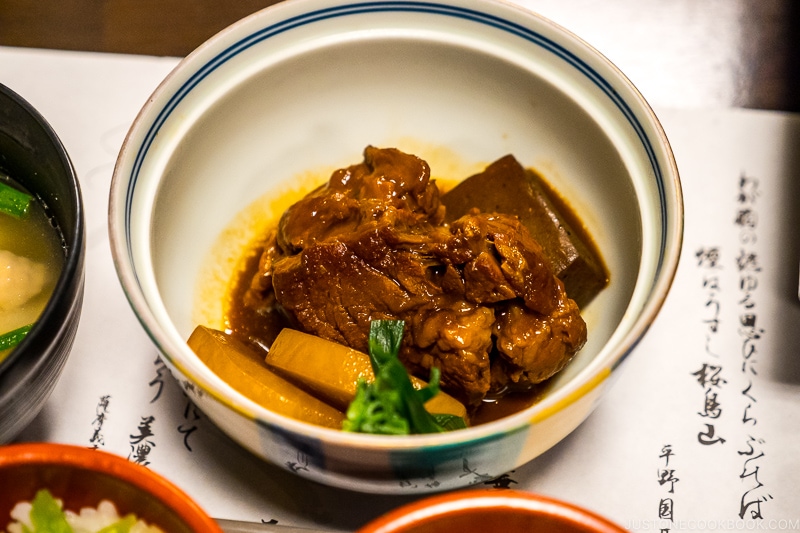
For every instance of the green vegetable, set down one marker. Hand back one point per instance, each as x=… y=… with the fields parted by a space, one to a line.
x=13 y=201
x=391 y=405
x=46 y=515
x=13 y=337
x=124 y=525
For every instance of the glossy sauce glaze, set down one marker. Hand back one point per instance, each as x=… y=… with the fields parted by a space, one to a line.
x=259 y=324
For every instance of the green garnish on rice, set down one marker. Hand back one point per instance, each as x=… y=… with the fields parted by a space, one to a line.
x=45 y=514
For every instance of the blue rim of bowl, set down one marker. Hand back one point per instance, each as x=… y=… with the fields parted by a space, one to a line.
x=403 y=6
x=661 y=281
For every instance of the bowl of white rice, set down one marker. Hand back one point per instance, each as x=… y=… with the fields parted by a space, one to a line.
x=83 y=490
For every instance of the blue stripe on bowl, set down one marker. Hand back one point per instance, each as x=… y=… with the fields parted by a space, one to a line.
x=402 y=6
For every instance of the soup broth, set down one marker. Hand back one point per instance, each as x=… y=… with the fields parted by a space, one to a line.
x=31 y=259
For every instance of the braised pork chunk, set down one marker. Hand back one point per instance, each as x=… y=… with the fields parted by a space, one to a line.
x=478 y=295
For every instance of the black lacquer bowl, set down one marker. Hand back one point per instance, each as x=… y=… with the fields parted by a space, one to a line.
x=32 y=153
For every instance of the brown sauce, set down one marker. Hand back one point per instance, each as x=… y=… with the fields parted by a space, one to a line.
x=259 y=329
x=256 y=329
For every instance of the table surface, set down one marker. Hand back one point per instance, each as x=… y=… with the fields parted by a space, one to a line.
x=679 y=53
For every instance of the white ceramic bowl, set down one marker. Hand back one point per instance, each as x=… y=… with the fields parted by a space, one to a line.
x=304 y=86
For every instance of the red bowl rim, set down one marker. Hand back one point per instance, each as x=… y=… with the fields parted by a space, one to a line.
x=402 y=518
x=95 y=460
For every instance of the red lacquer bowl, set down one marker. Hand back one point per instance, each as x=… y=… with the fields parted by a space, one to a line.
x=490 y=511
x=81 y=477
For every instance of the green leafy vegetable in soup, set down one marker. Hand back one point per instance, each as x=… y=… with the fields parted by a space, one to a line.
x=13 y=201
x=13 y=337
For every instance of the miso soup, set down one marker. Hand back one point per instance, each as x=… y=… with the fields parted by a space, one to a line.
x=32 y=255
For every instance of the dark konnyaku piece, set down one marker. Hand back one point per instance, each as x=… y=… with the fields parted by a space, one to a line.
x=506 y=187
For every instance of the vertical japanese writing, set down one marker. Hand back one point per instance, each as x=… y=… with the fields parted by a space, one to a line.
x=100 y=413
x=158 y=381
x=142 y=443
x=191 y=414
x=749 y=333
x=709 y=375
x=191 y=417
x=667 y=480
